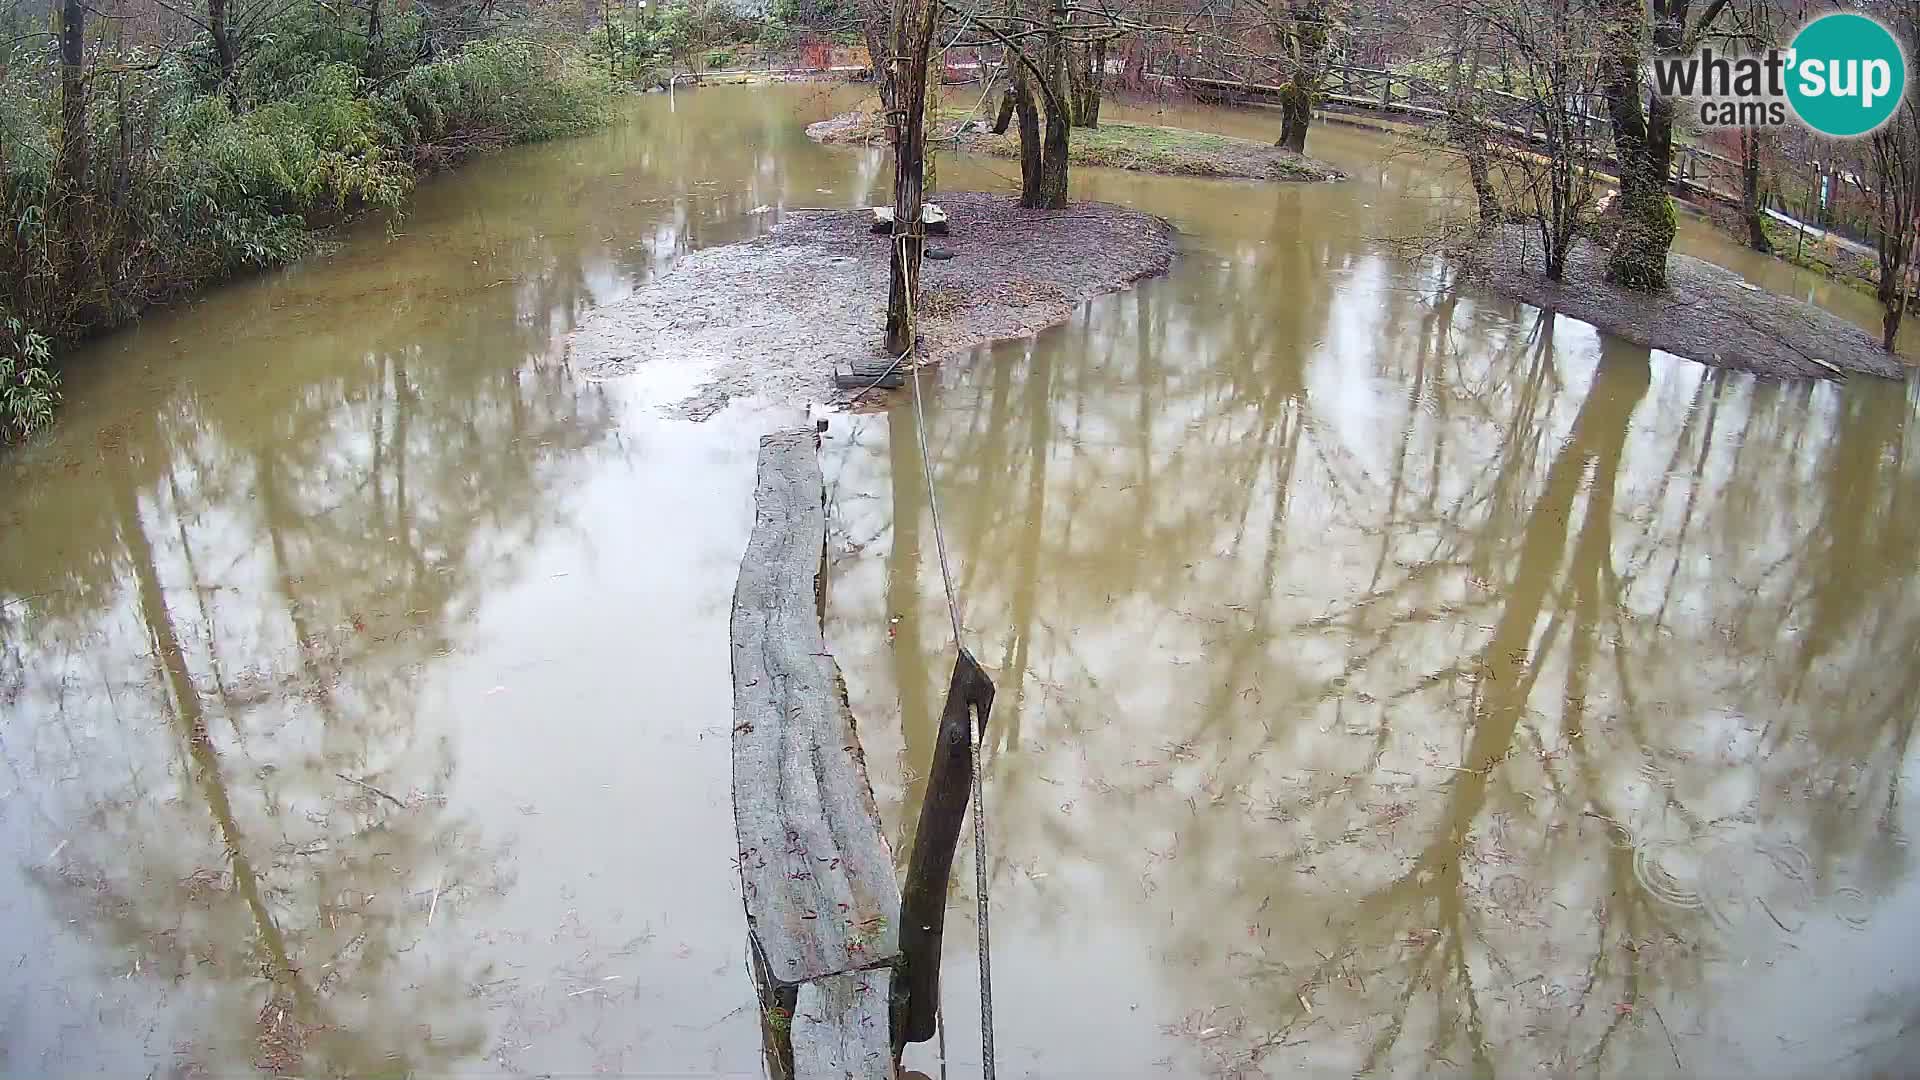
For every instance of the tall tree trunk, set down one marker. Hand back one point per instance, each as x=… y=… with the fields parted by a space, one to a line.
x=1307 y=41
x=1750 y=211
x=1894 y=157
x=1296 y=114
x=1088 y=114
x=1464 y=127
x=1643 y=141
x=1058 y=103
x=1896 y=183
x=1135 y=61
x=1892 y=308
x=72 y=164
x=374 y=34
x=929 y=166
x=70 y=167
x=913 y=32
x=1029 y=114
x=220 y=28
x=873 y=27
x=1084 y=72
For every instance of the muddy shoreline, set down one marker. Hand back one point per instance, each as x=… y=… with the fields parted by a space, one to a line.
x=1708 y=314
x=771 y=317
x=1166 y=151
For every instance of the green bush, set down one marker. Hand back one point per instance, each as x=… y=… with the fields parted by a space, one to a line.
x=181 y=189
x=488 y=95
x=29 y=387
x=632 y=47
x=314 y=154
x=719 y=58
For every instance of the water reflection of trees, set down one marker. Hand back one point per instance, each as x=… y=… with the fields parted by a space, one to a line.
x=232 y=597
x=1449 y=688
x=230 y=628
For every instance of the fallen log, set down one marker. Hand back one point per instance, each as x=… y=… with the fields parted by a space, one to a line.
x=816 y=874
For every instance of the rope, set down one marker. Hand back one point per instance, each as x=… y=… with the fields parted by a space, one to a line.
x=933 y=506
x=940 y=1028
x=979 y=734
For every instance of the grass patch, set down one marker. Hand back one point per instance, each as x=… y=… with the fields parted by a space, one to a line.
x=1858 y=272
x=1112 y=145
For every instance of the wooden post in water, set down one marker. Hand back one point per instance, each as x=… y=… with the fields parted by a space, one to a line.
x=815 y=871
x=923 y=904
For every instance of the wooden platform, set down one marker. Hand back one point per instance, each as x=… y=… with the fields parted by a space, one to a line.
x=869 y=374
x=821 y=900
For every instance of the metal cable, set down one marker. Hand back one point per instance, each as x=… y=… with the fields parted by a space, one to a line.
x=933 y=506
x=980 y=888
x=978 y=734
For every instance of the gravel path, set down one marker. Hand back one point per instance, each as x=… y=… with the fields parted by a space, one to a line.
x=1708 y=313
x=772 y=316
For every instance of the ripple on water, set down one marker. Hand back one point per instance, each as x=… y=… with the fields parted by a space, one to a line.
x=1736 y=882
x=1666 y=870
x=1850 y=907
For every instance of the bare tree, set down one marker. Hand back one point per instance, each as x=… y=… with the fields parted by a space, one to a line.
x=1036 y=44
x=1466 y=128
x=1086 y=73
x=1753 y=148
x=1303 y=31
x=220 y=29
x=1042 y=47
x=70 y=166
x=1758 y=24
x=1643 y=128
x=914 y=24
x=1549 y=178
x=1893 y=159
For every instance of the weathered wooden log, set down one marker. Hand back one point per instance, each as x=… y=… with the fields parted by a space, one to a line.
x=923 y=904
x=821 y=901
x=840 y=1026
x=863 y=374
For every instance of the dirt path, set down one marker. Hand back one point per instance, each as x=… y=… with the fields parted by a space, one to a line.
x=772 y=316
x=1708 y=313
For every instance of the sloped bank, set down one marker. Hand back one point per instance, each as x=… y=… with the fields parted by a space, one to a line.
x=1707 y=313
x=1114 y=145
x=772 y=316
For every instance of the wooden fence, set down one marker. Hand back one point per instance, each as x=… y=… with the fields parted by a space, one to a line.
x=1696 y=170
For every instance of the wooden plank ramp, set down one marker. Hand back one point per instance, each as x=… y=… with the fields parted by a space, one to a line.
x=822 y=904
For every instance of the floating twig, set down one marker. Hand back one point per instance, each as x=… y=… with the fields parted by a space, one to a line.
x=1669 y=1033
x=370 y=787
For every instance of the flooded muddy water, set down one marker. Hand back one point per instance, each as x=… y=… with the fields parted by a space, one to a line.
x=1392 y=679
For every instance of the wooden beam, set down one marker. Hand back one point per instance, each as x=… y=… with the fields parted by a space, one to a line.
x=923 y=908
x=815 y=868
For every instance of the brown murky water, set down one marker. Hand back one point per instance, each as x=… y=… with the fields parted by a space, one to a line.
x=1392 y=680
